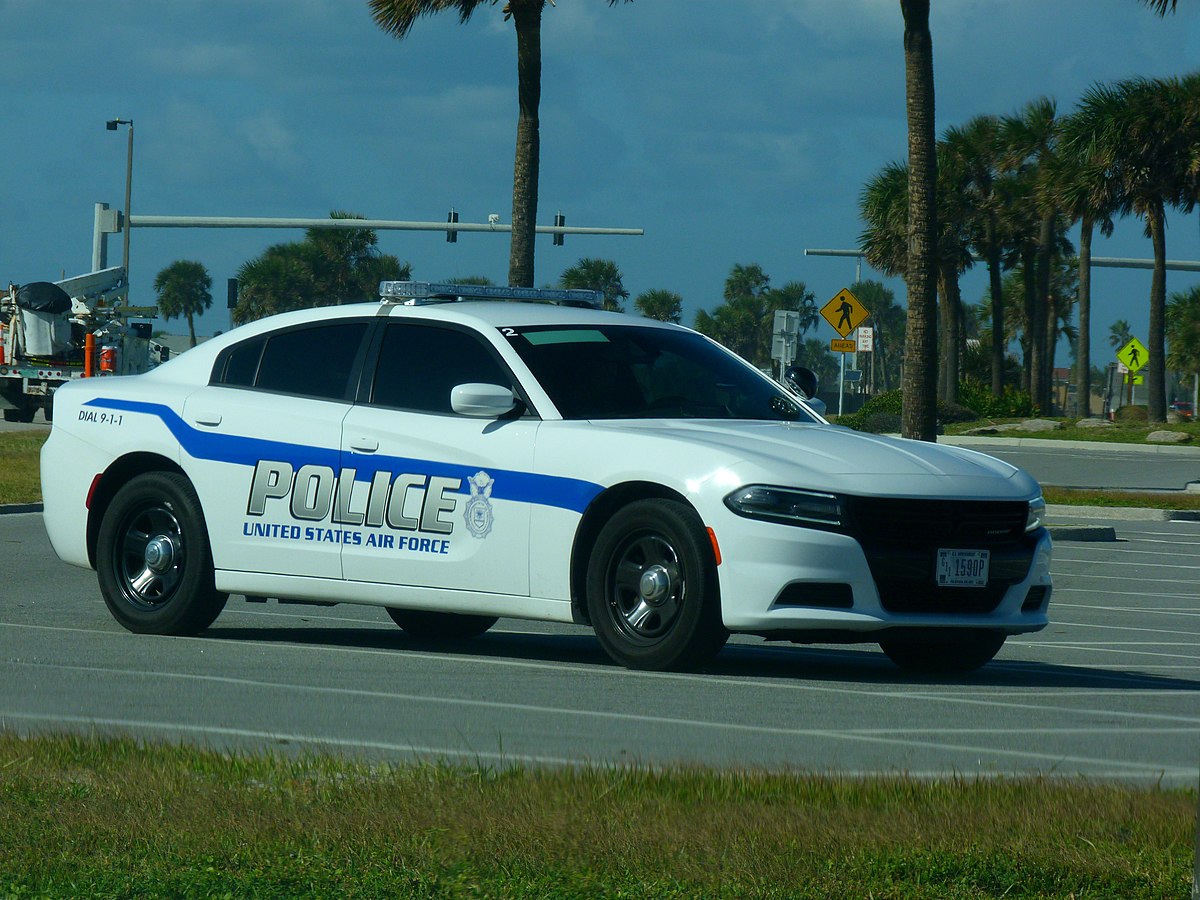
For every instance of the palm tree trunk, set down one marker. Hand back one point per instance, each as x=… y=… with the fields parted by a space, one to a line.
x=1048 y=348
x=1083 y=350
x=527 y=17
x=191 y=331
x=919 y=416
x=950 y=318
x=1156 y=369
x=1039 y=378
x=996 y=285
x=1030 y=302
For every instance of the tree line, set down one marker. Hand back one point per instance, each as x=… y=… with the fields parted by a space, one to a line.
x=1007 y=190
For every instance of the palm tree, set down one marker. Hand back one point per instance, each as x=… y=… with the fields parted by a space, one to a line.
x=977 y=145
x=919 y=388
x=660 y=304
x=1119 y=334
x=184 y=289
x=955 y=214
x=397 y=17
x=598 y=275
x=1183 y=331
x=745 y=321
x=883 y=206
x=1162 y=7
x=1146 y=135
x=1083 y=190
x=1031 y=141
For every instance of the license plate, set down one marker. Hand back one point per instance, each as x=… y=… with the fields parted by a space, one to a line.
x=962 y=568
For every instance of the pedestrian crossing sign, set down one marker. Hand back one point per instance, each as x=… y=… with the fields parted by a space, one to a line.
x=844 y=312
x=1133 y=354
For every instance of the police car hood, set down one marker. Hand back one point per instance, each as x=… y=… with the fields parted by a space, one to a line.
x=838 y=459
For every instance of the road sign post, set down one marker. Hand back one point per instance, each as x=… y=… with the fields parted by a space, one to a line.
x=845 y=313
x=1133 y=356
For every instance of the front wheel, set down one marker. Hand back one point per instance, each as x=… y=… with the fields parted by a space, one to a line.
x=652 y=589
x=438 y=626
x=953 y=653
x=153 y=558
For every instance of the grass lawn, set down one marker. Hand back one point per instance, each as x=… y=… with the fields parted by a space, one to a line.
x=19 y=478
x=87 y=817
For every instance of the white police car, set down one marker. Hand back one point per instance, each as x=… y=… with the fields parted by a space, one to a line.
x=458 y=461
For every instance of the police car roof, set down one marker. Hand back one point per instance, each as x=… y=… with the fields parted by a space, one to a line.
x=481 y=315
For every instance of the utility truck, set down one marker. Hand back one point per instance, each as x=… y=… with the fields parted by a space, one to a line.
x=55 y=332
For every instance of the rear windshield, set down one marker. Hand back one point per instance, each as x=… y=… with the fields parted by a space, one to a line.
x=635 y=372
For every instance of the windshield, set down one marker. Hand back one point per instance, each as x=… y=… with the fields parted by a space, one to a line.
x=634 y=372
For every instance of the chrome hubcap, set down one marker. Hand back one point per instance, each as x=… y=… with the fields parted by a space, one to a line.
x=160 y=553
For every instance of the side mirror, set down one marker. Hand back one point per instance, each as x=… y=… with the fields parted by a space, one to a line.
x=482 y=401
x=801 y=380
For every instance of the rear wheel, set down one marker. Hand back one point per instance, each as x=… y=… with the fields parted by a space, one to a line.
x=652 y=589
x=438 y=626
x=951 y=653
x=23 y=413
x=153 y=558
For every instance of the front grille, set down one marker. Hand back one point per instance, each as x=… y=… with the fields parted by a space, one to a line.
x=943 y=522
x=901 y=538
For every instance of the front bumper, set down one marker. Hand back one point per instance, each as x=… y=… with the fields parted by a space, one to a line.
x=801 y=583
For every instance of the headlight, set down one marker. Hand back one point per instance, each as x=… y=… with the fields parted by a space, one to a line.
x=1037 y=512
x=786 y=505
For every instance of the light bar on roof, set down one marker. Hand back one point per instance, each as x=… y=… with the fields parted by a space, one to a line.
x=433 y=291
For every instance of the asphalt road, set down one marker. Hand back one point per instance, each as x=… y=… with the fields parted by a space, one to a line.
x=1109 y=690
x=1146 y=467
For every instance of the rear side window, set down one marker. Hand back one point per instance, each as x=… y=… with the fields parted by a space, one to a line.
x=419 y=365
x=241 y=367
x=310 y=362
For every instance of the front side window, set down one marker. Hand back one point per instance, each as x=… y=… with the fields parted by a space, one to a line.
x=636 y=372
x=419 y=365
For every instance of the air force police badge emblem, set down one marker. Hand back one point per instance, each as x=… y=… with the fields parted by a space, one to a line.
x=478 y=513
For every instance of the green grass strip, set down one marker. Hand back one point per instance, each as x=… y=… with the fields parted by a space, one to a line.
x=85 y=816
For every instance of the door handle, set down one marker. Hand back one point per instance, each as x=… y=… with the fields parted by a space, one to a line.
x=364 y=445
x=211 y=419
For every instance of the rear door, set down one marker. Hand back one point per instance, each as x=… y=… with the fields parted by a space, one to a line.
x=263 y=440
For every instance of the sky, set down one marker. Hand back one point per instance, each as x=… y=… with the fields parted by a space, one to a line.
x=730 y=132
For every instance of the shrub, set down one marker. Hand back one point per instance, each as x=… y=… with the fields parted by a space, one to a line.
x=1132 y=415
x=1014 y=403
x=881 y=414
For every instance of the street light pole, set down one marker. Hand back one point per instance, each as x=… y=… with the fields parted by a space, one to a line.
x=111 y=125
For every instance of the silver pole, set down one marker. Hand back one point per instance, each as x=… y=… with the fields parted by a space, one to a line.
x=128 y=187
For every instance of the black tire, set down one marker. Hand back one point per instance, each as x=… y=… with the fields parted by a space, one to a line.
x=439 y=626
x=952 y=653
x=153 y=558
x=22 y=413
x=652 y=589
x=48 y=408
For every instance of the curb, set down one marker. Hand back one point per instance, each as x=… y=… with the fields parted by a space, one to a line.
x=1122 y=513
x=966 y=440
x=1082 y=532
x=7 y=508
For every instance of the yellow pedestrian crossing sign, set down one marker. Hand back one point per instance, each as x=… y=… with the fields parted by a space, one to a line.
x=844 y=312
x=1133 y=355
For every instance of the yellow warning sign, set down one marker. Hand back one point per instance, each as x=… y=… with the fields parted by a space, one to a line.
x=844 y=312
x=840 y=346
x=1133 y=354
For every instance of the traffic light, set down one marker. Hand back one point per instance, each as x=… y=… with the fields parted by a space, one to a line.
x=559 y=221
x=451 y=234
